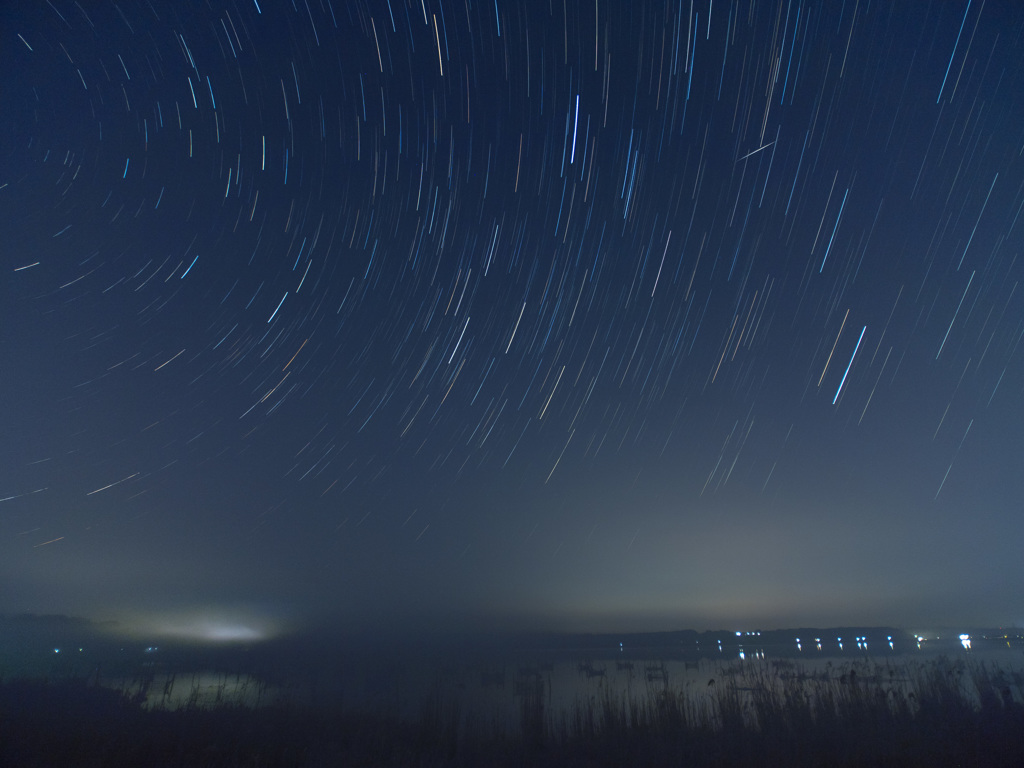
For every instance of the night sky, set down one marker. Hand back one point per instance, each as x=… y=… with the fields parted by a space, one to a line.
x=529 y=315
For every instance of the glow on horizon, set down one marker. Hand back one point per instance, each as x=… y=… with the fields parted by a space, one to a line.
x=205 y=626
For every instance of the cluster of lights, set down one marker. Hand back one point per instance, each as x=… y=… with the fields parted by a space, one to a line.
x=759 y=654
x=965 y=640
x=861 y=640
x=817 y=642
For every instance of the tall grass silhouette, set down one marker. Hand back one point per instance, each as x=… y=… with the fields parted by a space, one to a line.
x=933 y=713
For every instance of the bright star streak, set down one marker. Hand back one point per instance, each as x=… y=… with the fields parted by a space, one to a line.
x=859 y=338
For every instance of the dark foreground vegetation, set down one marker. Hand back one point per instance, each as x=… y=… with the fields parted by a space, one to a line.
x=934 y=714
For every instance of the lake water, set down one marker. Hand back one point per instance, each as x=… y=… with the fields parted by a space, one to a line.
x=493 y=686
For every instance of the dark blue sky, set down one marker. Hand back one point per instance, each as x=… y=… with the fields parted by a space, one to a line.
x=537 y=315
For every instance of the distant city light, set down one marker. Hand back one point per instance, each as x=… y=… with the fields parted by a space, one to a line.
x=220 y=632
x=209 y=625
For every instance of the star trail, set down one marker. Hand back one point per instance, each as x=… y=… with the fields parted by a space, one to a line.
x=570 y=315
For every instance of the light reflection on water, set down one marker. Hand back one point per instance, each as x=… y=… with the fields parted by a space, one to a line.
x=202 y=690
x=498 y=689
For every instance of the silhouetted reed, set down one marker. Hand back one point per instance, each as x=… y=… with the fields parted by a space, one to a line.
x=934 y=713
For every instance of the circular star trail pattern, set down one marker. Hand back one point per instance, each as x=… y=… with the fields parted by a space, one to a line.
x=551 y=313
